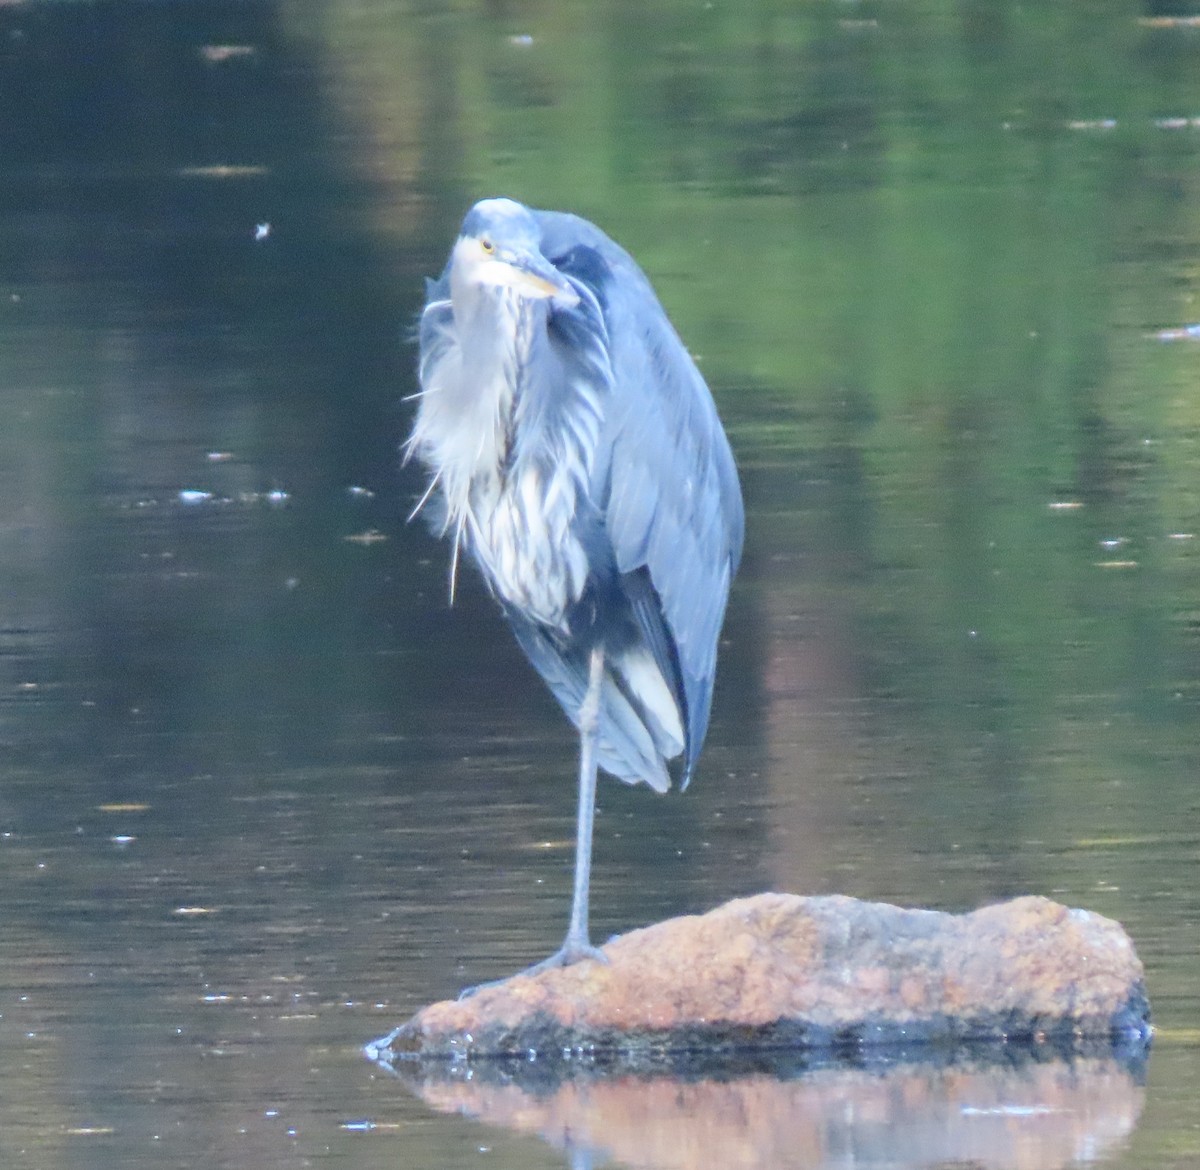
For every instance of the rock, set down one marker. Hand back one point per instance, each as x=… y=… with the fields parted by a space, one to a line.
x=779 y=970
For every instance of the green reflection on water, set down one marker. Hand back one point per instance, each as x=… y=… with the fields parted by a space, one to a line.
x=923 y=253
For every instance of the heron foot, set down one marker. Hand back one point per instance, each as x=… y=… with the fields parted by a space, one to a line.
x=570 y=953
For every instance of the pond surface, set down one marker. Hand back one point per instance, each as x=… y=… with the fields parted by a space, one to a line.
x=263 y=792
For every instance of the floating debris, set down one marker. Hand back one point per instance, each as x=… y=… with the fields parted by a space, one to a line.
x=1178 y=333
x=1170 y=122
x=217 y=54
x=1065 y=505
x=521 y=41
x=545 y=846
x=192 y=911
x=224 y=171
x=123 y=839
x=1169 y=21
x=355 y=492
x=219 y=456
x=261 y=231
x=371 y=536
x=190 y=497
x=1008 y=1111
x=1111 y=841
x=123 y=806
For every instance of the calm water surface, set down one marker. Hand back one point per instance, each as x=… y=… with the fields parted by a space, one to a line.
x=263 y=793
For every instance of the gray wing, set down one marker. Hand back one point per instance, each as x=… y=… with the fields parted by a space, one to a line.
x=625 y=747
x=664 y=478
x=561 y=406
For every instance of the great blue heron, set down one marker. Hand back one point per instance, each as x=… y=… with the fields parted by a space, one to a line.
x=579 y=459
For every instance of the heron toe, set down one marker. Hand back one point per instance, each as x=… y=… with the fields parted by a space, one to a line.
x=567 y=955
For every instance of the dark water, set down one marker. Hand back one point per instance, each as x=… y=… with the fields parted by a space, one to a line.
x=262 y=793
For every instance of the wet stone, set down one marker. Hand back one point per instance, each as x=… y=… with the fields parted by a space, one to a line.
x=784 y=971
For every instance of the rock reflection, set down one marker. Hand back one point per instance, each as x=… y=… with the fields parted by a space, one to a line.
x=1036 y=1115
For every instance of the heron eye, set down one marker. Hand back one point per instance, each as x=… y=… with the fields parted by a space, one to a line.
x=487 y=246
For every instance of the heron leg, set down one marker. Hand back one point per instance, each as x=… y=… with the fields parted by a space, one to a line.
x=577 y=946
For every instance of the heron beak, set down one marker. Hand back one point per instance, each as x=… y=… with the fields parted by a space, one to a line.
x=535 y=277
x=534 y=284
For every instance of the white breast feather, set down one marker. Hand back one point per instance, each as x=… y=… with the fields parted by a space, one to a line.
x=516 y=521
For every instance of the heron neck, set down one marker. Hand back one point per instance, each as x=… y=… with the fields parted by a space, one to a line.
x=496 y=330
x=493 y=324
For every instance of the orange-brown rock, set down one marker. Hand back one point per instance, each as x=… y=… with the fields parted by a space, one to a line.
x=782 y=970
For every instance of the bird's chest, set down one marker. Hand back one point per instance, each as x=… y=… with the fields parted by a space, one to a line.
x=525 y=538
x=514 y=461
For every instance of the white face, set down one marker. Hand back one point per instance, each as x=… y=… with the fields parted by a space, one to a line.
x=480 y=262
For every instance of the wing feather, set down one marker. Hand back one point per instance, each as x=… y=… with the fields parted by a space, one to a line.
x=664 y=478
x=626 y=747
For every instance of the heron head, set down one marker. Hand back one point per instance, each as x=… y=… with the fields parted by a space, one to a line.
x=499 y=246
